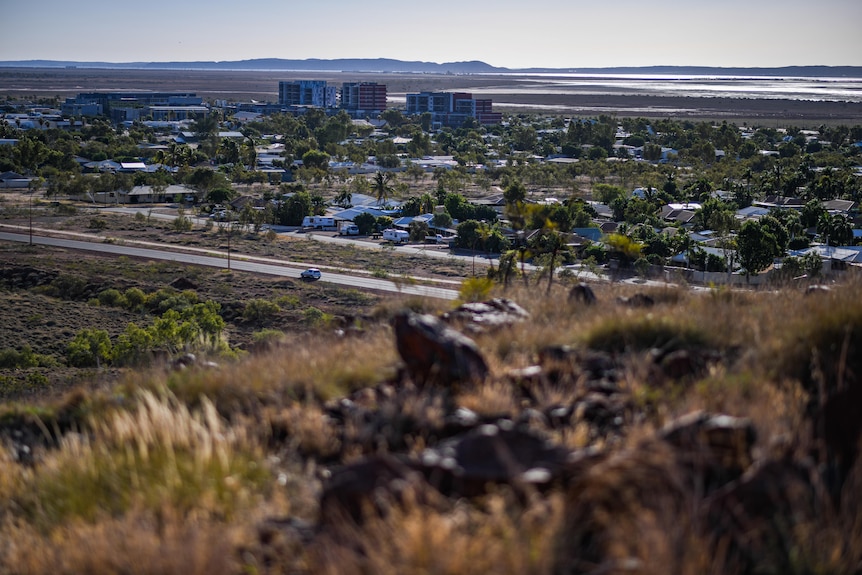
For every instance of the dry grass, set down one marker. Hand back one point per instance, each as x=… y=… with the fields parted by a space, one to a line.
x=182 y=471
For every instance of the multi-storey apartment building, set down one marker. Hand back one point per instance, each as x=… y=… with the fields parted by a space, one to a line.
x=360 y=98
x=313 y=93
x=452 y=108
x=124 y=106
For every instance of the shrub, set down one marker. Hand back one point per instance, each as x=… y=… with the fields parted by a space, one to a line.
x=288 y=302
x=97 y=224
x=132 y=345
x=267 y=336
x=259 y=310
x=645 y=332
x=14 y=359
x=68 y=287
x=315 y=317
x=112 y=298
x=89 y=348
x=135 y=298
x=824 y=343
x=475 y=289
x=36 y=379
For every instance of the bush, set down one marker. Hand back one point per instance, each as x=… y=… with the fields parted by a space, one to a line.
x=315 y=317
x=89 y=348
x=267 y=336
x=14 y=359
x=619 y=335
x=162 y=457
x=97 y=224
x=259 y=309
x=475 y=289
x=135 y=298
x=67 y=287
x=823 y=346
x=112 y=298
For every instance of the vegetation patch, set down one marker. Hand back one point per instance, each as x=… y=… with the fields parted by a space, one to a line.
x=643 y=332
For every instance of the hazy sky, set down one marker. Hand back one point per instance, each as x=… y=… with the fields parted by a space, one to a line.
x=522 y=33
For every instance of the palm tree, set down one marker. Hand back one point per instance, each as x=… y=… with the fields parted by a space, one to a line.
x=249 y=152
x=382 y=186
x=229 y=151
x=426 y=202
x=484 y=233
x=344 y=198
x=553 y=243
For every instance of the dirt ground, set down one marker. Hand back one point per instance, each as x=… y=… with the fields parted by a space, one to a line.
x=263 y=85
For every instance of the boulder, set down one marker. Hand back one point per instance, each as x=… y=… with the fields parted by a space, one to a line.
x=484 y=316
x=369 y=486
x=637 y=300
x=435 y=353
x=711 y=449
x=183 y=284
x=582 y=293
x=754 y=521
x=493 y=454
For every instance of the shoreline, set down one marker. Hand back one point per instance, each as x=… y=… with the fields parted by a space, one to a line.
x=508 y=95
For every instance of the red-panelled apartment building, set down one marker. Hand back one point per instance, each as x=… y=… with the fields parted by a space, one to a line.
x=363 y=97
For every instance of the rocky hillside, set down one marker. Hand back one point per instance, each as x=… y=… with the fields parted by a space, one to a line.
x=596 y=429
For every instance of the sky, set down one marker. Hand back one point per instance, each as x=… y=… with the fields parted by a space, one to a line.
x=505 y=33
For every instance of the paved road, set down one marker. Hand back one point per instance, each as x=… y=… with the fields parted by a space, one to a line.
x=237 y=262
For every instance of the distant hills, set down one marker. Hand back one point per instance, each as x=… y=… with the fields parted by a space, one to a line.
x=387 y=65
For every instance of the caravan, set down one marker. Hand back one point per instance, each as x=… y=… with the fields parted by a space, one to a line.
x=397 y=236
x=318 y=222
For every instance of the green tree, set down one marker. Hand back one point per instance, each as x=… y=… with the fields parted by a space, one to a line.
x=365 y=222
x=90 y=347
x=606 y=193
x=756 y=247
x=344 y=198
x=295 y=208
x=315 y=159
x=835 y=229
x=418 y=230
x=132 y=345
x=442 y=220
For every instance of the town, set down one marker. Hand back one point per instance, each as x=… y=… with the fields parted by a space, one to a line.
x=348 y=331
x=661 y=198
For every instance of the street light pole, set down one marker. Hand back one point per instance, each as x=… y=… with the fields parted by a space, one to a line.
x=31 y=217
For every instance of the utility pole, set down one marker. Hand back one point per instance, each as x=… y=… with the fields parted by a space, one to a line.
x=229 y=234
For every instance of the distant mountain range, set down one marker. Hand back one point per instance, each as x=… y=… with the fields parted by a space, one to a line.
x=384 y=65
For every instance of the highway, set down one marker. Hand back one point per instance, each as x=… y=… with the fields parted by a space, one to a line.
x=238 y=262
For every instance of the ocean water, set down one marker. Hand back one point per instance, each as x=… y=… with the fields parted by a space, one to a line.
x=750 y=87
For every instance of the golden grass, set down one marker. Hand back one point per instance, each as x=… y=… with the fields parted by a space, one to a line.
x=178 y=474
x=160 y=455
x=467 y=540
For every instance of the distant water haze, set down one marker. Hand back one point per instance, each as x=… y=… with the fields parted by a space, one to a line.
x=769 y=88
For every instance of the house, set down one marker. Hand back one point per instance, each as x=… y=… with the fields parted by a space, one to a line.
x=592 y=234
x=751 y=213
x=103 y=166
x=839 y=206
x=683 y=217
x=781 y=202
x=681 y=213
x=14 y=180
x=133 y=167
x=834 y=258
